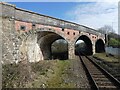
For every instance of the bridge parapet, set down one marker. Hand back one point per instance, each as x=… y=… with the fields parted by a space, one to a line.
x=11 y=11
x=29 y=16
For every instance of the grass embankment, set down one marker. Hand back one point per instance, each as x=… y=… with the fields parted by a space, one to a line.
x=45 y=74
x=57 y=79
x=105 y=57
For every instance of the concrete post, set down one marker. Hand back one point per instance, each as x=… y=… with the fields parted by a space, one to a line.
x=71 y=50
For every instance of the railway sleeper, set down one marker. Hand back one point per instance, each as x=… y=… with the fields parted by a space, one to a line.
x=101 y=76
x=101 y=79
x=99 y=83
x=98 y=74
x=107 y=87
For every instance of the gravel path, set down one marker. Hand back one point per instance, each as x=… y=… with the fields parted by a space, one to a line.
x=79 y=76
x=74 y=74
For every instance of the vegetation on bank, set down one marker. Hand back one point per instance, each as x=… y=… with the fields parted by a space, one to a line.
x=114 y=42
x=44 y=74
x=106 y=58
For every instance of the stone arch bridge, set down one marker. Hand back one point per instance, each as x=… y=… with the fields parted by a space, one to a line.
x=29 y=35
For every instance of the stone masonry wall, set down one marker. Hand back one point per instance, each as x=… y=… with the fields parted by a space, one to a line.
x=0 y=46
x=10 y=41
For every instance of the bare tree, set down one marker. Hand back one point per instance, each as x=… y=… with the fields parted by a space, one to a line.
x=106 y=29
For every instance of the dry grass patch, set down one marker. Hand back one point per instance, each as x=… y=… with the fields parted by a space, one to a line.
x=106 y=58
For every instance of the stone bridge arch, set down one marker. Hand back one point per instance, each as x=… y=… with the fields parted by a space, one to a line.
x=27 y=25
x=36 y=44
x=87 y=41
x=45 y=39
x=93 y=42
x=77 y=37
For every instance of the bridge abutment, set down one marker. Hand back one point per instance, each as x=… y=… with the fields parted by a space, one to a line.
x=9 y=36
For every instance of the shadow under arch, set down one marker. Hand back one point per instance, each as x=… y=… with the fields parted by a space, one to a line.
x=99 y=46
x=45 y=39
x=88 y=46
x=60 y=49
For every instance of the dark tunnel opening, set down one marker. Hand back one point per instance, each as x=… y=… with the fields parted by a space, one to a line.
x=99 y=46
x=83 y=45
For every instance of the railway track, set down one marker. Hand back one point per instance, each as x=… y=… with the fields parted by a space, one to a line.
x=99 y=77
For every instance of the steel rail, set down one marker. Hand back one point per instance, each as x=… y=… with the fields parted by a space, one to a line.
x=110 y=78
x=94 y=85
x=115 y=81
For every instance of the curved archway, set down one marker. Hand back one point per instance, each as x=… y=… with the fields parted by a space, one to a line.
x=87 y=46
x=45 y=40
x=99 y=46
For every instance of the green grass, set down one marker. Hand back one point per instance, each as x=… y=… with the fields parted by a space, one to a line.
x=106 y=58
x=57 y=80
x=54 y=77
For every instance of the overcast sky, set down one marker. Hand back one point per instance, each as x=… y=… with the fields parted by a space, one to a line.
x=93 y=14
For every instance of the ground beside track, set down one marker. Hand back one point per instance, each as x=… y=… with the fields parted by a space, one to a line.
x=110 y=63
x=45 y=74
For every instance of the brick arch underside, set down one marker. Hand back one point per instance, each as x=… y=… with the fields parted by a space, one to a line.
x=45 y=40
x=87 y=41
